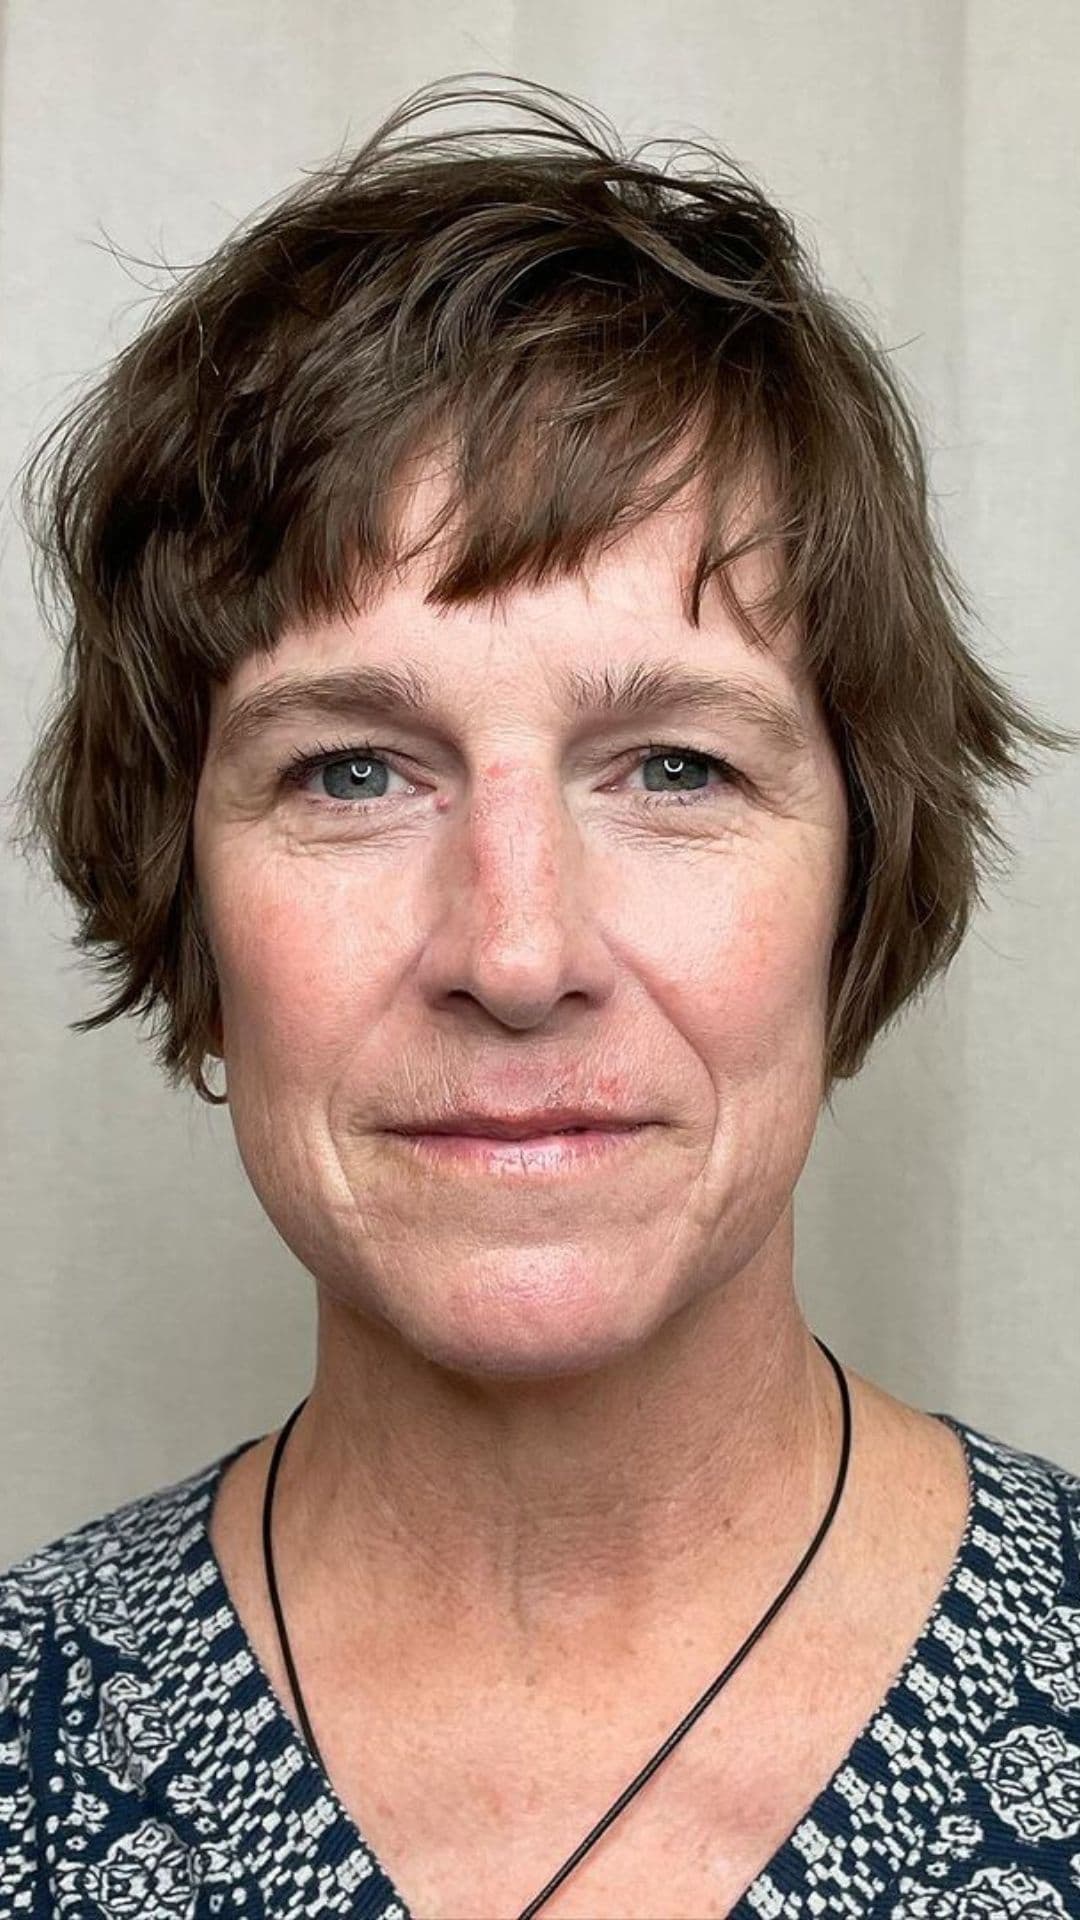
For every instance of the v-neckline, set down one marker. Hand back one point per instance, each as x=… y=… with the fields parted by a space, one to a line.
x=284 y=1815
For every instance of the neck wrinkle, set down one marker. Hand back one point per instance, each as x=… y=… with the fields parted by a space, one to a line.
x=597 y=1511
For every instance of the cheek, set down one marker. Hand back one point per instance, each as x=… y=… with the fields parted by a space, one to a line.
x=737 y=959
x=293 y=961
x=744 y=971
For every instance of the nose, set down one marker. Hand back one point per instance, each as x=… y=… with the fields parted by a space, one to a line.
x=515 y=925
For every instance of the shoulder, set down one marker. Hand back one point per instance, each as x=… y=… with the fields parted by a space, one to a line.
x=78 y=1587
x=1028 y=1484
x=1030 y=1504
x=75 y=1559
x=1042 y=1509
x=1020 y=1575
x=1002 y=1833
x=92 y=1777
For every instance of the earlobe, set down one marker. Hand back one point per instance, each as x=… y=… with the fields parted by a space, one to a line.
x=204 y=1089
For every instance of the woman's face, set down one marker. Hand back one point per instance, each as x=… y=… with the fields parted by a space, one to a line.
x=506 y=902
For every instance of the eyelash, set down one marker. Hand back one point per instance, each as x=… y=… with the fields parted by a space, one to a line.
x=296 y=769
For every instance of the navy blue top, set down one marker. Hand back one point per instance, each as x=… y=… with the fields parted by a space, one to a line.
x=148 y=1770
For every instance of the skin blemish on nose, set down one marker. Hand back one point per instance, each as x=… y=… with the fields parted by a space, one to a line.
x=495 y=770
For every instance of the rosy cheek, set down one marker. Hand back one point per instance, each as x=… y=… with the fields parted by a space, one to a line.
x=779 y=966
x=285 y=973
x=748 y=977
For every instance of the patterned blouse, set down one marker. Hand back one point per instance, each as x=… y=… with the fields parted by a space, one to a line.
x=148 y=1771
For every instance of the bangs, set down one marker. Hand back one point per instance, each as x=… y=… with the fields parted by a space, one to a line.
x=550 y=433
x=534 y=496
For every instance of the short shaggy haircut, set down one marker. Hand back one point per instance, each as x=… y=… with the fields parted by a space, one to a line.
x=585 y=334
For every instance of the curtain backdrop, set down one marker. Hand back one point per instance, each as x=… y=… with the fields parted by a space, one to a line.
x=149 y=1315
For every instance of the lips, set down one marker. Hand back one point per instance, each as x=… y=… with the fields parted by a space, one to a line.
x=527 y=1126
x=566 y=1154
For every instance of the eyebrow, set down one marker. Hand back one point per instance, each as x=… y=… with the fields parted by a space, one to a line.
x=625 y=692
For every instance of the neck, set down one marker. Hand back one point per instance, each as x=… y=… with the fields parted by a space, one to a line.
x=526 y=1513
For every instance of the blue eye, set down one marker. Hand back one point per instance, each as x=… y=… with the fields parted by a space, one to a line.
x=676 y=761
x=354 y=772
x=357 y=778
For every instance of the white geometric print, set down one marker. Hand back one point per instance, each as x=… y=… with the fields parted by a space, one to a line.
x=149 y=1772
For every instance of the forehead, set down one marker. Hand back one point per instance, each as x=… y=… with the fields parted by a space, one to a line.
x=651 y=561
x=626 y=603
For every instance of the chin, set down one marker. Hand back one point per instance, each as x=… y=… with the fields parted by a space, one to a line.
x=528 y=1327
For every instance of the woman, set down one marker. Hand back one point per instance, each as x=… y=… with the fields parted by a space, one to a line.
x=516 y=719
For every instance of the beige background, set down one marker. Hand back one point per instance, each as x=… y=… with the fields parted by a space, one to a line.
x=149 y=1316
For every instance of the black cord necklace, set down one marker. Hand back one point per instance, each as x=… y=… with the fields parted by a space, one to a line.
x=684 y=1725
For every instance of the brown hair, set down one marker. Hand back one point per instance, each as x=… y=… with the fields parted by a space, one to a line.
x=232 y=470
